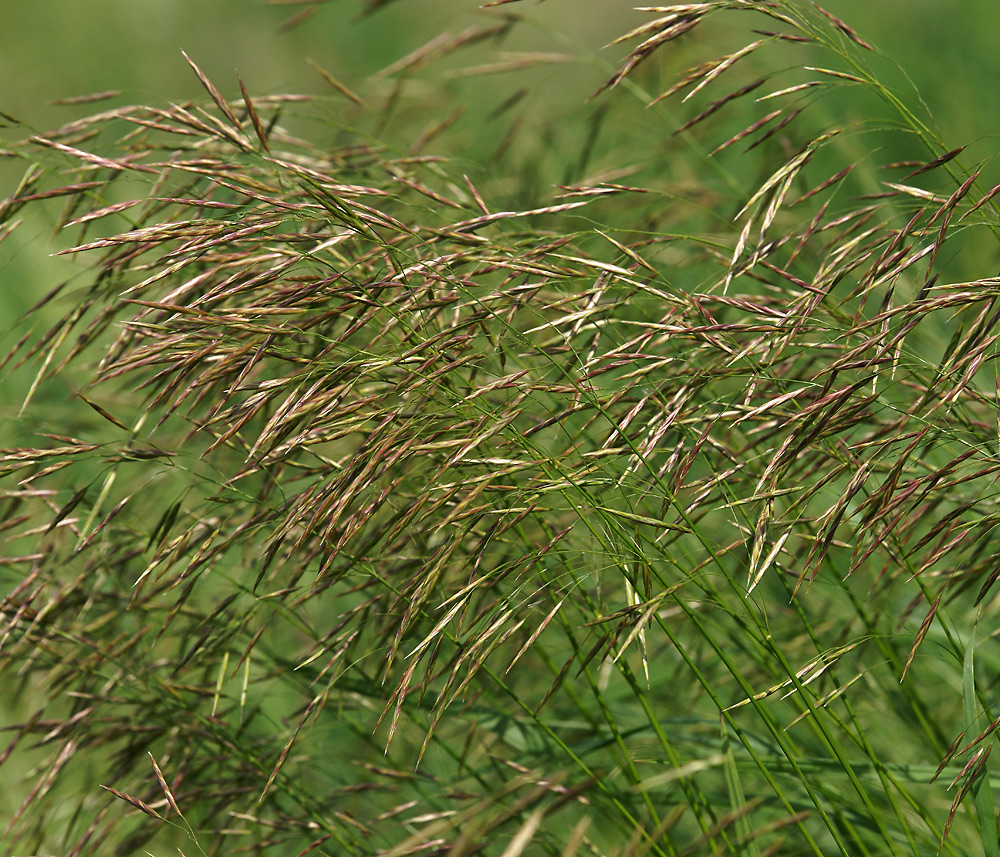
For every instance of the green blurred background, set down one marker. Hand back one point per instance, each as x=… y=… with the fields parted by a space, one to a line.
x=58 y=48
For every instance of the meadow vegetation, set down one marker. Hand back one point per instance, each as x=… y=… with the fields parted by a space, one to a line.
x=409 y=471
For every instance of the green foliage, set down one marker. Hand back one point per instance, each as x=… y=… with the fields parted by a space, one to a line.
x=611 y=480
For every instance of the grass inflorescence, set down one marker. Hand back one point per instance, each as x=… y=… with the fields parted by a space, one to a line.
x=623 y=487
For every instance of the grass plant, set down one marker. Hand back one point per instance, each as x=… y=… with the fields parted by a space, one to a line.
x=617 y=480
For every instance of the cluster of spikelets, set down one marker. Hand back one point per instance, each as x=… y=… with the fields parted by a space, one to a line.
x=412 y=521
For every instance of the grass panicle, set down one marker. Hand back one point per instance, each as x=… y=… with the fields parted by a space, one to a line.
x=619 y=482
